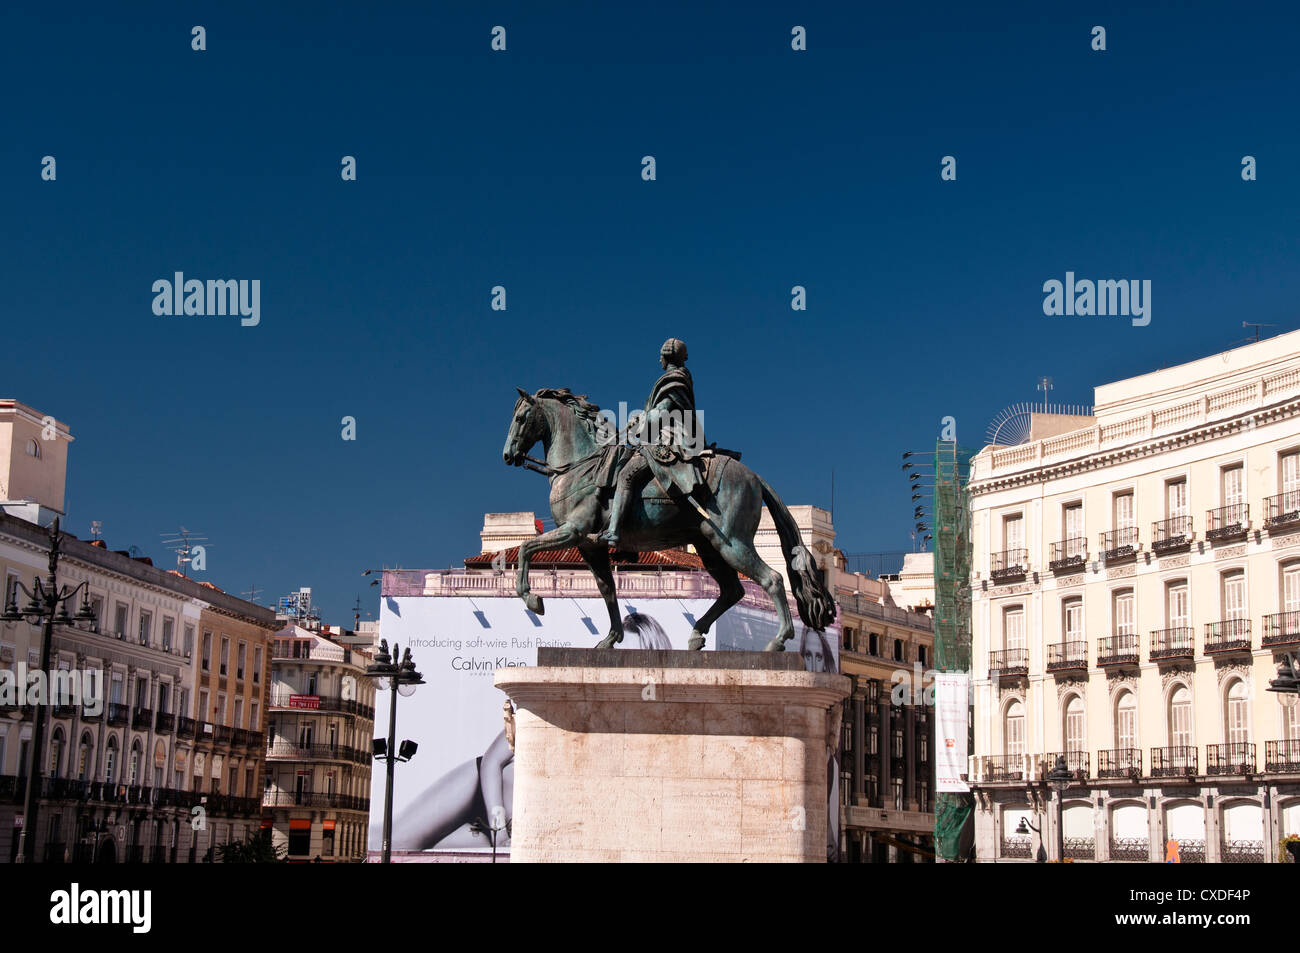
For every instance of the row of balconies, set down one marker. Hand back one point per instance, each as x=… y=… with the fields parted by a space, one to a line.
x=143 y=719
x=343 y=802
x=1227 y=637
x=1282 y=512
x=282 y=750
x=13 y=789
x=297 y=701
x=1177 y=761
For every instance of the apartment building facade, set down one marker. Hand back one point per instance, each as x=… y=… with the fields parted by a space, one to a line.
x=1136 y=577
x=320 y=727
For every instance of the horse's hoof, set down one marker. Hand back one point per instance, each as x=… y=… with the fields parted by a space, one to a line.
x=696 y=642
x=535 y=604
x=776 y=645
x=611 y=640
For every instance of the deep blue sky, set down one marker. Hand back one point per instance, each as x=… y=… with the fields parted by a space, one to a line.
x=476 y=168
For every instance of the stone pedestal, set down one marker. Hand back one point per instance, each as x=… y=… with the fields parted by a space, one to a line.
x=632 y=755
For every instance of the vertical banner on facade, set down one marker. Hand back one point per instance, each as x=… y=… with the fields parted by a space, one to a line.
x=952 y=707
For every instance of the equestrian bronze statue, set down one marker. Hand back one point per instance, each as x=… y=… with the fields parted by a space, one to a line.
x=656 y=485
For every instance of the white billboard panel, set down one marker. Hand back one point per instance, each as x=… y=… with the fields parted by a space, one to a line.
x=458 y=787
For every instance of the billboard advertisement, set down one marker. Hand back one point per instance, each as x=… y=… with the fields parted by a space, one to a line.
x=456 y=793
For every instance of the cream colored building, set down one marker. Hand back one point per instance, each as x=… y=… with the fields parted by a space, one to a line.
x=1135 y=578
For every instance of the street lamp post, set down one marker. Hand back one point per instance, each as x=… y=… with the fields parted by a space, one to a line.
x=1059 y=779
x=47 y=604
x=401 y=677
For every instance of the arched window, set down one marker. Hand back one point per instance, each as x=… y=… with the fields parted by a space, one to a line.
x=110 y=759
x=83 y=758
x=33 y=449
x=1180 y=717
x=1126 y=720
x=1013 y=737
x=1075 y=738
x=1236 y=728
x=134 y=776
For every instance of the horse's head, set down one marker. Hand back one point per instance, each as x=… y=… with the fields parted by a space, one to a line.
x=527 y=423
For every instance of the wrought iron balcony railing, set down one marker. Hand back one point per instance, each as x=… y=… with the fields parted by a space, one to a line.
x=1068 y=554
x=1075 y=761
x=1008 y=662
x=1230 y=635
x=165 y=722
x=1119 y=544
x=142 y=719
x=1080 y=848
x=1176 y=643
x=1234 y=758
x=1009 y=564
x=1119 y=763
x=1004 y=767
x=1178 y=761
x=1282 y=511
x=1281 y=628
x=1119 y=650
x=1171 y=534
x=1227 y=522
x=1130 y=848
x=1067 y=656
x=1282 y=757
x=185 y=727
x=1242 y=852
x=117 y=714
x=1018 y=846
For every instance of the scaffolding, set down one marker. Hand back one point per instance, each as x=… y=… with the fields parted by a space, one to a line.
x=952 y=617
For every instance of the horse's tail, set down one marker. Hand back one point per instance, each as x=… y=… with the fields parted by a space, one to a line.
x=816 y=604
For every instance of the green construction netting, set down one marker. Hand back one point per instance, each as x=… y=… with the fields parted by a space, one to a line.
x=952 y=608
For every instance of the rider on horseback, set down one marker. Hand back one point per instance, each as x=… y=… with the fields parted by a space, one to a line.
x=666 y=439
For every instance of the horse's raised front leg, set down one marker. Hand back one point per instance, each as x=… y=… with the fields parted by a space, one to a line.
x=564 y=535
x=596 y=556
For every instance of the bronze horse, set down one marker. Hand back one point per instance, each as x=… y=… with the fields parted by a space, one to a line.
x=721 y=527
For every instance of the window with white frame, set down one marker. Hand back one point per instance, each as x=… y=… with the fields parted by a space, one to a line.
x=1232 y=485
x=167 y=627
x=1125 y=517
x=1126 y=720
x=1072 y=613
x=146 y=627
x=1180 y=717
x=1290 y=588
x=1013 y=532
x=1072 y=516
x=1013 y=628
x=1236 y=726
x=1177 y=611
x=1176 y=498
x=1014 y=730
x=1075 y=738
x=1234 y=595
x=1123 y=619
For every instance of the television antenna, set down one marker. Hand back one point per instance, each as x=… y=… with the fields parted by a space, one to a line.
x=182 y=545
x=96 y=529
x=252 y=593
